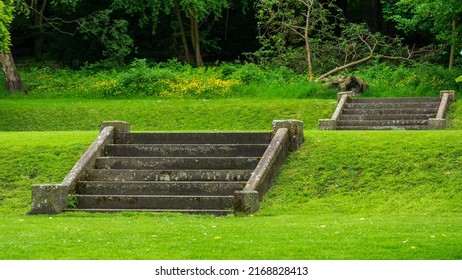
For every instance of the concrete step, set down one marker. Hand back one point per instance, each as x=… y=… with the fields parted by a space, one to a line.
x=215 y=212
x=381 y=122
x=399 y=111
x=391 y=105
x=396 y=100
x=187 y=150
x=200 y=138
x=401 y=127
x=153 y=202
x=168 y=175
x=178 y=163
x=159 y=188
x=388 y=117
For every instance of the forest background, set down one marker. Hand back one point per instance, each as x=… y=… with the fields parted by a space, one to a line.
x=289 y=40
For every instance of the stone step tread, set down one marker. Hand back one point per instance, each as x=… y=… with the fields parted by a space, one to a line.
x=154 y=201
x=396 y=100
x=217 y=212
x=402 y=127
x=391 y=105
x=390 y=111
x=168 y=175
x=387 y=117
x=177 y=163
x=153 y=196
x=160 y=188
x=200 y=138
x=186 y=150
x=380 y=122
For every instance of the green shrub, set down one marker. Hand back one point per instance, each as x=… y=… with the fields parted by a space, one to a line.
x=417 y=80
x=173 y=79
x=248 y=73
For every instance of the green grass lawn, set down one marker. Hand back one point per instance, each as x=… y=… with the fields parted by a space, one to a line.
x=158 y=115
x=343 y=195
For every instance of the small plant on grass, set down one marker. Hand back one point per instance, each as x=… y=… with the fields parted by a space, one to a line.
x=71 y=201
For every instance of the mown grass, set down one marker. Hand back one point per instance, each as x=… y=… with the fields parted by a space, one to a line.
x=343 y=195
x=23 y=114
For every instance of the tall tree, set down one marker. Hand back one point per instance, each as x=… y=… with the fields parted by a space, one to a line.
x=197 y=11
x=37 y=9
x=440 y=17
x=12 y=78
x=184 y=41
x=281 y=21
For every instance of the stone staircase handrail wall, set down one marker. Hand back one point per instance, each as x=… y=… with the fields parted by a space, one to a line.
x=330 y=124
x=439 y=122
x=445 y=99
x=247 y=200
x=287 y=137
x=88 y=159
x=53 y=198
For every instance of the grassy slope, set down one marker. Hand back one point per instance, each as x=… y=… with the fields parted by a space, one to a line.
x=157 y=115
x=344 y=195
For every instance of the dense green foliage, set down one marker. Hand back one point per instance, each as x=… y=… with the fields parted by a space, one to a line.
x=6 y=17
x=169 y=80
x=174 y=80
x=75 y=32
x=407 y=81
x=440 y=17
x=344 y=195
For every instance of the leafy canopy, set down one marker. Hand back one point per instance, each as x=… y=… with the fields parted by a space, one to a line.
x=6 y=17
x=436 y=16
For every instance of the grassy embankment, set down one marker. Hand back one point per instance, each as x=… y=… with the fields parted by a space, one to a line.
x=344 y=195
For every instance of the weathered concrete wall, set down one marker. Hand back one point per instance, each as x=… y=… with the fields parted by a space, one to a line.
x=52 y=198
x=295 y=132
x=331 y=124
x=88 y=159
x=439 y=122
x=247 y=200
x=287 y=136
x=121 y=130
x=48 y=199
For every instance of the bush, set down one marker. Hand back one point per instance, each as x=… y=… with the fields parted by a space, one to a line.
x=387 y=80
x=170 y=79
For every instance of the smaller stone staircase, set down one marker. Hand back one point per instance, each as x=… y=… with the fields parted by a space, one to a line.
x=388 y=113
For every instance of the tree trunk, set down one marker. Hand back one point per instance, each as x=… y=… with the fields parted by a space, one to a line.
x=452 y=55
x=371 y=12
x=182 y=31
x=12 y=78
x=195 y=39
x=307 y=44
x=360 y=61
x=37 y=22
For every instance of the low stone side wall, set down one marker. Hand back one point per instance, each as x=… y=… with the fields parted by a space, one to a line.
x=52 y=198
x=288 y=136
x=447 y=96
x=331 y=124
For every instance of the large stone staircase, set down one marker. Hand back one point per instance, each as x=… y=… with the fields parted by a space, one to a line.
x=388 y=113
x=175 y=172
x=197 y=173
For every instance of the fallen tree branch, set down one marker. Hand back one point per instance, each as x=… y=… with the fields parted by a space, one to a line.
x=340 y=68
x=360 y=61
